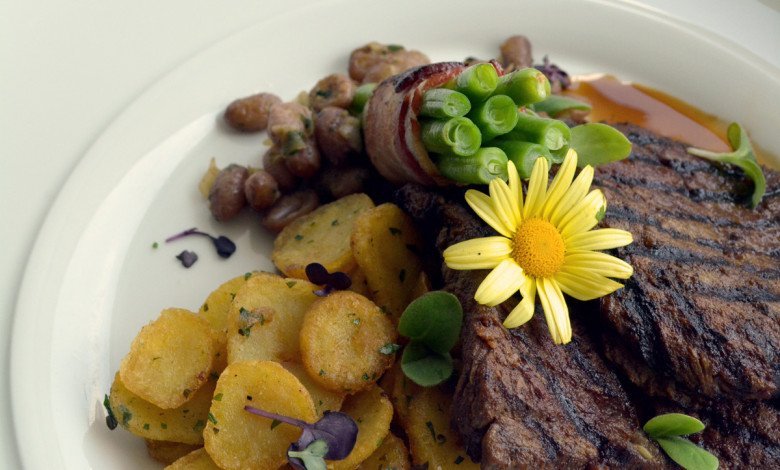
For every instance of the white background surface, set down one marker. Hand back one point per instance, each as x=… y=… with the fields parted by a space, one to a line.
x=68 y=67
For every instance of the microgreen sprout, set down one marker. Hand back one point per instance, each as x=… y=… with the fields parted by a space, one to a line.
x=667 y=430
x=318 y=274
x=742 y=156
x=332 y=437
x=432 y=323
x=225 y=246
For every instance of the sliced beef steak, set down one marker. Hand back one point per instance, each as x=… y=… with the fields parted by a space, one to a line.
x=522 y=401
x=702 y=310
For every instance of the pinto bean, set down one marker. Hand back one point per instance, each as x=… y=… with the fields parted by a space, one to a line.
x=273 y=163
x=338 y=135
x=261 y=190
x=516 y=53
x=288 y=208
x=334 y=90
x=250 y=114
x=340 y=182
x=303 y=162
x=286 y=119
x=226 y=197
x=363 y=59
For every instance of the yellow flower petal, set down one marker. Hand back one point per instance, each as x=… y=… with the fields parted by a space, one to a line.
x=584 y=285
x=478 y=253
x=575 y=193
x=598 y=263
x=555 y=310
x=601 y=239
x=483 y=206
x=537 y=188
x=516 y=190
x=524 y=311
x=582 y=216
x=503 y=281
x=560 y=184
x=503 y=203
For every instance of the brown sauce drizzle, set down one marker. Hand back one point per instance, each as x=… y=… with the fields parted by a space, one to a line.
x=614 y=101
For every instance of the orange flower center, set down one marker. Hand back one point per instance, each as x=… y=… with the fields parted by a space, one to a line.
x=538 y=248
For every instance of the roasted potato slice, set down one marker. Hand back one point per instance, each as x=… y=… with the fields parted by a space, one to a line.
x=183 y=424
x=322 y=236
x=372 y=412
x=431 y=439
x=341 y=342
x=216 y=307
x=238 y=439
x=324 y=399
x=401 y=391
x=168 y=452
x=170 y=358
x=266 y=317
x=195 y=460
x=385 y=244
x=391 y=455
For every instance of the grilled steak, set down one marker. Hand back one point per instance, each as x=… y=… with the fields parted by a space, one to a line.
x=702 y=311
x=520 y=399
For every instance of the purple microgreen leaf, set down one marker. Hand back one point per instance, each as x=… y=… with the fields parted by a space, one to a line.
x=224 y=246
x=187 y=258
x=317 y=274
x=320 y=276
x=340 y=281
x=339 y=430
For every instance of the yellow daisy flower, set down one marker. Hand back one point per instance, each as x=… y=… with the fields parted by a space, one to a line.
x=545 y=247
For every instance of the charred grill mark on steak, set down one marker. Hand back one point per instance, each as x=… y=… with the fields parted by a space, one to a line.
x=707 y=269
x=742 y=434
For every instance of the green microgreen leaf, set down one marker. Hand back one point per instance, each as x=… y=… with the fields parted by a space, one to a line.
x=598 y=144
x=742 y=156
x=672 y=424
x=687 y=454
x=424 y=366
x=433 y=320
x=313 y=455
x=554 y=105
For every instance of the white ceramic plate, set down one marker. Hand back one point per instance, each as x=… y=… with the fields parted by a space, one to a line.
x=94 y=279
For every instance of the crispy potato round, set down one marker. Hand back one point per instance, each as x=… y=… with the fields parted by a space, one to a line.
x=238 y=439
x=392 y=454
x=216 y=307
x=168 y=452
x=265 y=318
x=196 y=460
x=170 y=358
x=385 y=244
x=321 y=236
x=401 y=391
x=372 y=412
x=341 y=339
x=183 y=424
x=431 y=439
x=324 y=399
